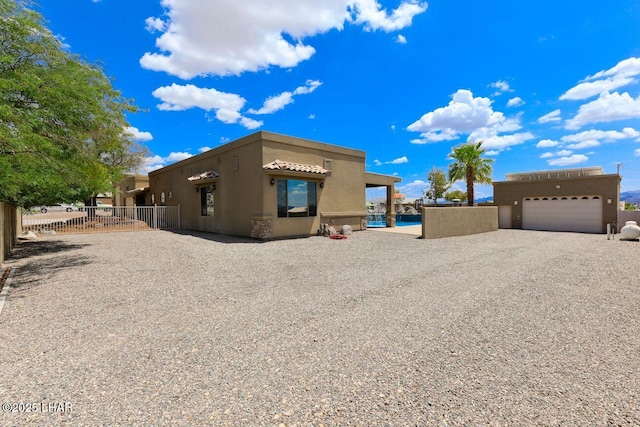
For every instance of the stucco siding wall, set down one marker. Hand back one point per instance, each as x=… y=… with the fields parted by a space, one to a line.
x=605 y=186
x=624 y=216
x=236 y=197
x=458 y=221
x=341 y=200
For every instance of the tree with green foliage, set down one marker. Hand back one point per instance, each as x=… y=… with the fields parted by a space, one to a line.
x=469 y=165
x=438 y=185
x=455 y=195
x=61 y=121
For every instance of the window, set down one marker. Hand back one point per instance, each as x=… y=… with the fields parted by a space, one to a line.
x=162 y=199
x=206 y=201
x=296 y=198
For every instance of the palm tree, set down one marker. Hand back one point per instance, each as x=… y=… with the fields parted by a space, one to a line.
x=470 y=166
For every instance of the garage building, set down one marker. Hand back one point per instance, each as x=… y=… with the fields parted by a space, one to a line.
x=580 y=200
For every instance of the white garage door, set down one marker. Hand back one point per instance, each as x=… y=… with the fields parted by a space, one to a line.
x=573 y=213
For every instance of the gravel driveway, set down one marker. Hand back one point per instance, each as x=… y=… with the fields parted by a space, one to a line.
x=156 y=328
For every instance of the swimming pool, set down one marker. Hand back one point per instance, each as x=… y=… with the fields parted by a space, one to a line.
x=381 y=224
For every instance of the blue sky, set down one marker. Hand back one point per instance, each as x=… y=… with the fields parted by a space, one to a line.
x=546 y=84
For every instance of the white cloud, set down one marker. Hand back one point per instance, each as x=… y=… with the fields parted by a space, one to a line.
x=589 y=89
x=274 y=103
x=203 y=149
x=370 y=14
x=137 y=134
x=154 y=24
x=413 y=189
x=250 y=123
x=546 y=143
x=501 y=86
x=591 y=138
x=311 y=116
x=464 y=114
x=621 y=75
x=564 y=153
x=227 y=37
x=398 y=161
x=227 y=106
x=589 y=143
x=515 y=102
x=546 y=155
x=401 y=39
x=492 y=153
x=608 y=107
x=553 y=116
x=278 y=102
x=468 y=115
x=432 y=137
x=566 y=161
x=637 y=152
x=607 y=136
x=176 y=157
x=152 y=163
x=499 y=142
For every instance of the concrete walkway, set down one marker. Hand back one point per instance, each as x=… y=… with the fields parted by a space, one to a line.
x=415 y=230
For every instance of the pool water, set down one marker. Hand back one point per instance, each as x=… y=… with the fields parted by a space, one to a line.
x=381 y=224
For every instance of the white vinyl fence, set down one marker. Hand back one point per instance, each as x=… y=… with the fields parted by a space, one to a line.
x=92 y=219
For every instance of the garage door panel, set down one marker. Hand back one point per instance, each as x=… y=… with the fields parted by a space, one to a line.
x=581 y=214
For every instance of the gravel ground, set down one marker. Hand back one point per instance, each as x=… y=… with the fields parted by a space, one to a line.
x=505 y=328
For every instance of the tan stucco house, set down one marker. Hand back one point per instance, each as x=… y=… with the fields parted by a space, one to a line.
x=582 y=200
x=268 y=185
x=133 y=190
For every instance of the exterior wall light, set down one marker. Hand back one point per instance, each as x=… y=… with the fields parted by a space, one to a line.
x=515 y=202
x=608 y=201
x=321 y=184
x=557 y=186
x=273 y=181
x=197 y=189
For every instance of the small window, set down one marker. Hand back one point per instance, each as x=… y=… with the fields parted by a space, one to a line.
x=528 y=199
x=153 y=198
x=585 y=198
x=574 y=198
x=564 y=198
x=206 y=201
x=162 y=200
x=327 y=164
x=554 y=198
x=234 y=163
x=170 y=195
x=296 y=198
x=596 y=198
x=535 y=198
x=544 y=198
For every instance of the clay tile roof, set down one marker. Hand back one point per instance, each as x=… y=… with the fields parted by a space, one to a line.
x=204 y=175
x=294 y=167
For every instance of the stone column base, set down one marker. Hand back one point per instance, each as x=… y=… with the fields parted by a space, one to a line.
x=262 y=227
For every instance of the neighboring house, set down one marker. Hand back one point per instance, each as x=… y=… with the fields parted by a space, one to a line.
x=581 y=200
x=133 y=190
x=268 y=185
x=105 y=198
